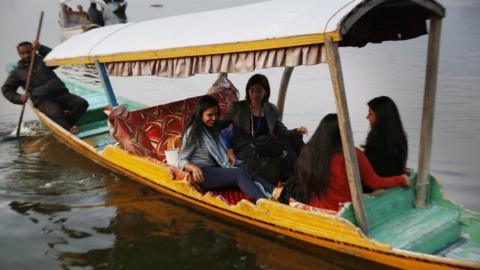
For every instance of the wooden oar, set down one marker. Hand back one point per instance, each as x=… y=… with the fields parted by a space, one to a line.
x=30 y=71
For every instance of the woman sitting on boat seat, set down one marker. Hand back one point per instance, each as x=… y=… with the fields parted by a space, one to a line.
x=320 y=173
x=203 y=154
x=257 y=129
x=386 y=145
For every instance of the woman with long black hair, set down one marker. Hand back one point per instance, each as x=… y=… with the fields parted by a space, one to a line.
x=203 y=153
x=258 y=131
x=386 y=146
x=320 y=172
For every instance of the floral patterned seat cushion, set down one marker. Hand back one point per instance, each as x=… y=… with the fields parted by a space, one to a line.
x=132 y=138
x=165 y=133
x=145 y=132
x=175 y=116
x=231 y=195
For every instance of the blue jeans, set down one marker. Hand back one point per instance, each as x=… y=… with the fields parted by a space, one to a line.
x=218 y=178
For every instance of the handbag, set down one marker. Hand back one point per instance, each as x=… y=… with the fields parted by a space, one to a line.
x=271 y=169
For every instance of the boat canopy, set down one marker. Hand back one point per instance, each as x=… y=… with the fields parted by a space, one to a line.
x=86 y=1
x=276 y=33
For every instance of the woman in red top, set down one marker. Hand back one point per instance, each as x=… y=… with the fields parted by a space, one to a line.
x=321 y=176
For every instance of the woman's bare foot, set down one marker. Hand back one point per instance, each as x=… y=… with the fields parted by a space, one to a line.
x=74 y=130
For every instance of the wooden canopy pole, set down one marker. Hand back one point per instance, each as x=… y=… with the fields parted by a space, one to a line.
x=29 y=74
x=348 y=145
x=282 y=92
x=428 y=112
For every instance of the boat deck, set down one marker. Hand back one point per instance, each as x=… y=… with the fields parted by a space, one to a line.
x=442 y=228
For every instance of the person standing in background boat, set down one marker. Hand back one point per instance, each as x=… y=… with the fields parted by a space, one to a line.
x=203 y=154
x=386 y=145
x=320 y=173
x=257 y=130
x=82 y=16
x=114 y=12
x=94 y=15
x=65 y=15
x=107 y=12
x=47 y=92
x=120 y=11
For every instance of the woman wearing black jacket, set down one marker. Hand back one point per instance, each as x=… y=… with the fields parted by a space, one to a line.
x=257 y=129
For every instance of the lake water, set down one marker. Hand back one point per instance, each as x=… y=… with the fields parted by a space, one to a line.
x=59 y=210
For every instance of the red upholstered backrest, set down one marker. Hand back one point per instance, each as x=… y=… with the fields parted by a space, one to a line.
x=132 y=138
x=173 y=117
x=145 y=132
x=161 y=130
x=224 y=96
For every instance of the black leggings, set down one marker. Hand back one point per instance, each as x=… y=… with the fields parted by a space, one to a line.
x=218 y=178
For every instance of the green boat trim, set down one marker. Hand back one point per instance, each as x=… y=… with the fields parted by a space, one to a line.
x=442 y=228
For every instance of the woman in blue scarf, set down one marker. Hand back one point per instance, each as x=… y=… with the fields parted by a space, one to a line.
x=203 y=153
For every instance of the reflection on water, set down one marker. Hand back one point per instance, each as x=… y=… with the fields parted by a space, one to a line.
x=62 y=211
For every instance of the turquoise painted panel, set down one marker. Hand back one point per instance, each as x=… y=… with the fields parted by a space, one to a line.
x=380 y=208
x=83 y=89
x=99 y=141
x=469 y=251
x=393 y=219
x=469 y=220
x=93 y=128
x=423 y=230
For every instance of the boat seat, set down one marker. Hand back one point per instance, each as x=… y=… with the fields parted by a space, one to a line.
x=162 y=123
x=96 y=104
x=94 y=121
x=393 y=219
x=419 y=229
x=230 y=195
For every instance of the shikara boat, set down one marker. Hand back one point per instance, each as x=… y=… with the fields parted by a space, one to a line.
x=72 y=24
x=414 y=228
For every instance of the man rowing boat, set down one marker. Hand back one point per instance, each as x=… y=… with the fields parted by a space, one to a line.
x=47 y=92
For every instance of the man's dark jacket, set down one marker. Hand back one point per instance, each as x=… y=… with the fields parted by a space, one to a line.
x=44 y=82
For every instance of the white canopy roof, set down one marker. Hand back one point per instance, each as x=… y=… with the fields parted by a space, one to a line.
x=86 y=1
x=265 y=21
x=270 y=25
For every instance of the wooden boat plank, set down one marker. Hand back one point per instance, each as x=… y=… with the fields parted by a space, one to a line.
x=469 y=251
x=469 y=220
x=91 y=129
x=99 y=141
x=422 y=230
